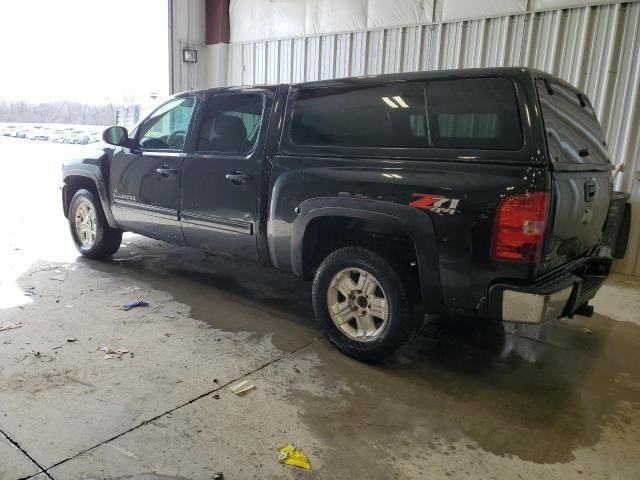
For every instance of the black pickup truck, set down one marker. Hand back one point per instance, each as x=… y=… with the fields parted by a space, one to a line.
x=481 y=192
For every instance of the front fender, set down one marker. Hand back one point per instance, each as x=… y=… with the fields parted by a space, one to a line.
x=415 y=224
x=91 y=167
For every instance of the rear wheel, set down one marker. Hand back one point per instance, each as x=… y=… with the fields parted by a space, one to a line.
x=361 y=304
x=91 y=233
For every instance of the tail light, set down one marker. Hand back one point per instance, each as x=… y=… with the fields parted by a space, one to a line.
x=520 y=224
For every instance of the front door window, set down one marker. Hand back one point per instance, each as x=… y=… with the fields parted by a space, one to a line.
x=166 y=128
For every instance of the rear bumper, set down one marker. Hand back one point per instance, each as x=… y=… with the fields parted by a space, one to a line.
x=557 y=295
x=523 y=307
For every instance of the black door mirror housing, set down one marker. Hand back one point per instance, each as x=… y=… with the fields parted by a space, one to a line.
x=117 y=136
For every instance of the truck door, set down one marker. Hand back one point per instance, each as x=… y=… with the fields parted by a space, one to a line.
x=145 y=179
x=220 y=178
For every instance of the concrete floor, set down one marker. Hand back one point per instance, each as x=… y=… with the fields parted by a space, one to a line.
x=465 y=401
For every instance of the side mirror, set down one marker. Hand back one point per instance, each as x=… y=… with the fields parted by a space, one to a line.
x=117 y=136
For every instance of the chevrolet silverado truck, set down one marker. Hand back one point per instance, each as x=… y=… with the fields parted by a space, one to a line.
x=484 y=192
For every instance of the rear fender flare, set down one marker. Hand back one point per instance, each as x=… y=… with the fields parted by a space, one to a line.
x=415 y=224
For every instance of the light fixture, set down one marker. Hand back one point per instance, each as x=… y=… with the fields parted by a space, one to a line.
x=190 y=55
x=389 y=102
x=401 y=102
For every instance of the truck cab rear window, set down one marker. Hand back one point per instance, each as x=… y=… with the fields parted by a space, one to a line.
x=462 y=114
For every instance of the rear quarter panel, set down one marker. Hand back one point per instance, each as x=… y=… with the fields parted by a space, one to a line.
x=463 y=234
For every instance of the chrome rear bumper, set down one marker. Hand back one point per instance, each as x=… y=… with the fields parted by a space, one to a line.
x=524 y=307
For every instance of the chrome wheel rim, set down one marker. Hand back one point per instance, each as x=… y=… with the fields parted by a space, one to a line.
x=358 y=304
x=86 y=224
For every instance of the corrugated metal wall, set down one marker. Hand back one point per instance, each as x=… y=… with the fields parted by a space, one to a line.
x=187 y=31
x=596 y=48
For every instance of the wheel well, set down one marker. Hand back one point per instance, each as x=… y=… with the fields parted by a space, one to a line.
x=73 y=184
x=326 y=234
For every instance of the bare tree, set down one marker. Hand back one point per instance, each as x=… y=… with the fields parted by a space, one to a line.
x=65 y=112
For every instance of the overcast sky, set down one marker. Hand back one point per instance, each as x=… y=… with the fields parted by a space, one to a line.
x=83 y=50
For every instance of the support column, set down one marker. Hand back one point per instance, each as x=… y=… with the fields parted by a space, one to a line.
x=217 y=35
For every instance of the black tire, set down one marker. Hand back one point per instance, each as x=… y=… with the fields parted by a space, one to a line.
x=400 y=324
x=107 y=239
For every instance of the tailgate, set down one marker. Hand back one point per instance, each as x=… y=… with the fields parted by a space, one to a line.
x=579 y=211
x=580 y=170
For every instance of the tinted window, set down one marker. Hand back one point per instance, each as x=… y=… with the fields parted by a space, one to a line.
x=573 y=132
x=166 y=128
x=230 y=124
x=375 y=116
x=476 y=113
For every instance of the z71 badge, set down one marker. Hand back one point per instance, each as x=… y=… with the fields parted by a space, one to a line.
x=435 y=203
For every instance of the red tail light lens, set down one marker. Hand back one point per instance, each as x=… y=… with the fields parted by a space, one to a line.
x=520 y=224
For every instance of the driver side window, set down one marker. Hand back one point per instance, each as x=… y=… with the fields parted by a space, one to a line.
x=166 y=128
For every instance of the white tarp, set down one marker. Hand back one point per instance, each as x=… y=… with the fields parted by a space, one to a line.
x=447 y=10
x=385 y=13
x=252 y=20
x=329 y=16
x=551 y=4
x=261 y=19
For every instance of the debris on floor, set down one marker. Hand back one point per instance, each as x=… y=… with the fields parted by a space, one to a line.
x=133 y=258
x=29 y=291
x=131 y=289
x=44 y=357
x=586 y=330
x=72 y=339
x=242 y=387
x=56 y=347
x=218 y=476
x=60 y=278
x=111 y=354
x=169 y=316
x=290 y=455
x=10 y=326
x=128 y=306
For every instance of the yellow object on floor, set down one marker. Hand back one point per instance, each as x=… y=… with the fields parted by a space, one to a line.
x=290 y=455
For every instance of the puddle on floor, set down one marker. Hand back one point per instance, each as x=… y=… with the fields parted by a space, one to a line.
x=226 y=294
x=537 y=399
x=484 y=393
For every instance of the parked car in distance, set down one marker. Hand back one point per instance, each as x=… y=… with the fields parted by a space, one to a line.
x=482 y=192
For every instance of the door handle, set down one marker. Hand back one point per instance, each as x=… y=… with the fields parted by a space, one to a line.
x=165 y=171
x=237 y=177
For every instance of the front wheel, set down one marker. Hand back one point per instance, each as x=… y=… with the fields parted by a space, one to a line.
x=361 y=304
x=91 y=233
